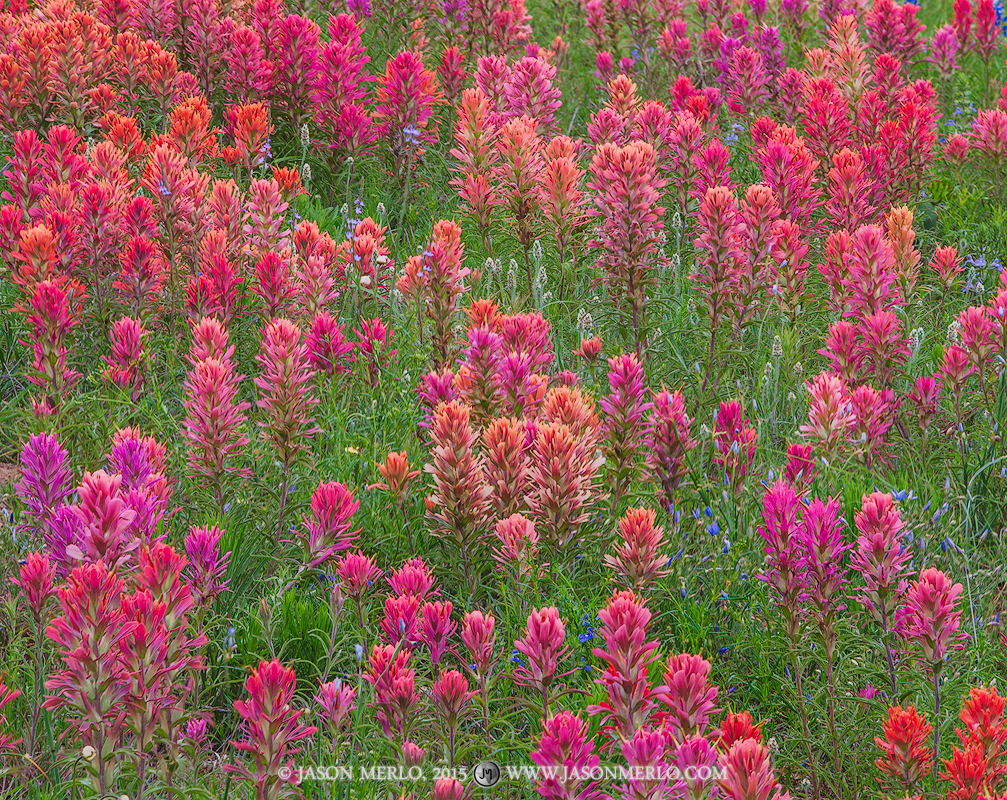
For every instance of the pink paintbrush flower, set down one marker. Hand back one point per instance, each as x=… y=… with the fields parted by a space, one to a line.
x=567 y=756
x=327 y=531
x=688 y=695
x=285 y=390
x=627 y=192
x=452 y=702
x=628 y=654
x=125 y=366
x=337 y=700
x=271 y=726
x=36 y=580
x=414 y=578
x=880 y=556
x=829 y=414
x=214 y=420
x=393 y=683
x=544 y=648
x=931 y=617
x=436 y=628
x=479 y=639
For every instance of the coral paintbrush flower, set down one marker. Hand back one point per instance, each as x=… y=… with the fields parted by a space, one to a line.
x=636 y=559
x=747 y=772
x=518 y=548
x=906 y=759
x=563 y=478
x=397 y=476
x=480 y=641
x=461 y=494
x=544 y=649
x=272 y=729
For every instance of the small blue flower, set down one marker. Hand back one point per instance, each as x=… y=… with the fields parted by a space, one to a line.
x=515 y=657
x=684 y=593
x=587 y=636
x=713 y=528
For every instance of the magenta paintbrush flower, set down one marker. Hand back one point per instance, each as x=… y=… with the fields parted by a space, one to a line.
x=567 y=757
x=668 y=440
x=45 y=477
x=734 y=442
x=624 y=409
x=436 y=628
x=206 y=564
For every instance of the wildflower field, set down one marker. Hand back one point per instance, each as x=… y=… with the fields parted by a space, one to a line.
x=575 y=399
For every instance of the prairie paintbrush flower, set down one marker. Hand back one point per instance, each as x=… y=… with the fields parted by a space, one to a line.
x=436 y=627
